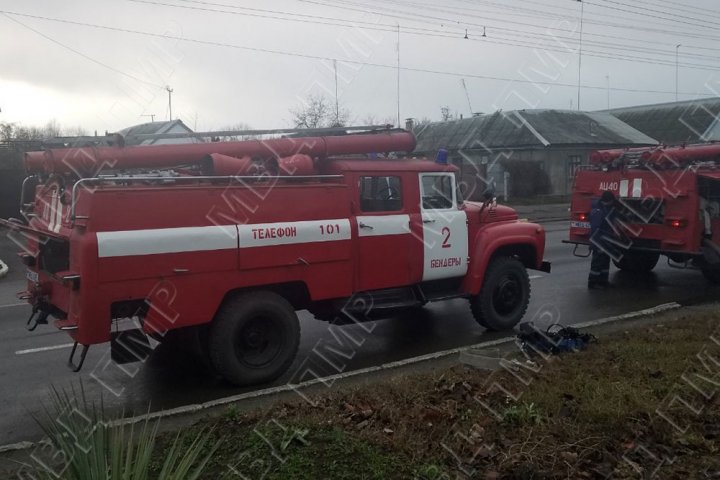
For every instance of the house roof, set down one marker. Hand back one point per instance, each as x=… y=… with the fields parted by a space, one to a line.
x=529 y=129
x=675 y=122
x=130 y=134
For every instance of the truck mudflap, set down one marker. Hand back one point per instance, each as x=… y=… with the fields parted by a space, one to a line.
x=545 y=266
x=37 y=317
x=76 y=367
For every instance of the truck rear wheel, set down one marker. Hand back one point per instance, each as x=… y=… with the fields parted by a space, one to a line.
x=504 y=296
x=637 y=262
x=254 y=338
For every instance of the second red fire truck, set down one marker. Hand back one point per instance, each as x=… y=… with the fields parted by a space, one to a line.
x=669 y=205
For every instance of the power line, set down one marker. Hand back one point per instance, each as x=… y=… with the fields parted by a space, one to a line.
x=86 y=57
x=331 y=21
x=633 y=27
x=592 y=53
x=426 y=32
x=598 y=43
x=676 y=4
x=349 y=61
x=674 y=16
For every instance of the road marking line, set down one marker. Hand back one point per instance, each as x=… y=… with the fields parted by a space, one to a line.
x=532 y=277
x=13 y=305
x=44 y=349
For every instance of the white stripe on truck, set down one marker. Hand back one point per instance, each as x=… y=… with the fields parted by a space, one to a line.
x=166 y=240
x=196 y=239
x=287 y=233
x=637 y=188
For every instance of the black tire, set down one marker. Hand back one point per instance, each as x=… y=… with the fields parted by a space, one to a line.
x=712 y=275
x=253 y=338
x=637 y=262
x=504 y=296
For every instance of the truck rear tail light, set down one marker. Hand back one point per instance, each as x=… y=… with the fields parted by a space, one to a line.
x=582 y=217
x=677 y=223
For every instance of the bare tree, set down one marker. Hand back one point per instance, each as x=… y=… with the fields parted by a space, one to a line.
x=446 y=114
x=52 y=129
x=316 y=111
x=239 y=126
x=76 y=132
x=374 y=120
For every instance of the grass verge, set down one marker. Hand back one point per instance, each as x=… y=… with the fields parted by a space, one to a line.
x=636 y=404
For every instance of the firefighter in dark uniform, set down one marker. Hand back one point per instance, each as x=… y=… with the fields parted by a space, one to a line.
x=601 y=234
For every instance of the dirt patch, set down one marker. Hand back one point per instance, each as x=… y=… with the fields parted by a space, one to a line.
x=642 y=402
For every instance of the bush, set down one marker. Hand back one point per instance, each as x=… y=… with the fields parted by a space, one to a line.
x=92 y=446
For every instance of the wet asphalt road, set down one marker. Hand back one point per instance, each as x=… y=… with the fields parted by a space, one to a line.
x=170 y=378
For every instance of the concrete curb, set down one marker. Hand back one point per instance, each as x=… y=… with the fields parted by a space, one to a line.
x=187 y=409
x=4 y=269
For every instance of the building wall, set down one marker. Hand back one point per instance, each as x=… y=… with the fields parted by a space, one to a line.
x=480 y=167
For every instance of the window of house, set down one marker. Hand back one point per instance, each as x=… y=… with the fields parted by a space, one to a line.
x=380 y=194
x=437 y=191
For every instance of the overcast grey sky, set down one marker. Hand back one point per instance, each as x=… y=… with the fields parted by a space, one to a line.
x=103 y=64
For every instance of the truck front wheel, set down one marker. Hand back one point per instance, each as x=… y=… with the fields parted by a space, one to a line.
x=254 y=338
x=504 y=296
x=637 y=262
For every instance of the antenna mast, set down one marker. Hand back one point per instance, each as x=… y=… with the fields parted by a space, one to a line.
x=467 y=95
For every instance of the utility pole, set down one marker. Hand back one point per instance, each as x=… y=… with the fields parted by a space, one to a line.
x=467 y=95
x=582 y=11
x=398 y=75
x=170 y=91
x=607 y=77
x=337 y=102
x=677 y=69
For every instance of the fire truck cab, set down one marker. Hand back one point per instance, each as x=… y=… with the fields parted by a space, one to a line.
x=228 y=240
x=668 y=204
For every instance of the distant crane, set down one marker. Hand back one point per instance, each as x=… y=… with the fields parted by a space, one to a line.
x=467 y=95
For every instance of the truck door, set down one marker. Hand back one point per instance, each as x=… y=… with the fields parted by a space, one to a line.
x=444 y=227
x=383 y=233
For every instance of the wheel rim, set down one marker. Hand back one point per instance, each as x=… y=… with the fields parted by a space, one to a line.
x=507 y=294
x=258 y=342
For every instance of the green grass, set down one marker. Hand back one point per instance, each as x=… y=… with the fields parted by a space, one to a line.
x=281 y=451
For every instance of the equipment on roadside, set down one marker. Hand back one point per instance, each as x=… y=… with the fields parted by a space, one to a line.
x=224 y=241
x=555 y=340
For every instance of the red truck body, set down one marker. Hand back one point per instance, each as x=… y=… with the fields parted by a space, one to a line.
x=667 y=198
x=299 y=228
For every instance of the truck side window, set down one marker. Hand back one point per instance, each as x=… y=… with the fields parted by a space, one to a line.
x=380 y=194
x=437 y=191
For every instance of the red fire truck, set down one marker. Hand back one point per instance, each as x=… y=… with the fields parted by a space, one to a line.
x=668 y=204
x=230 y=239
